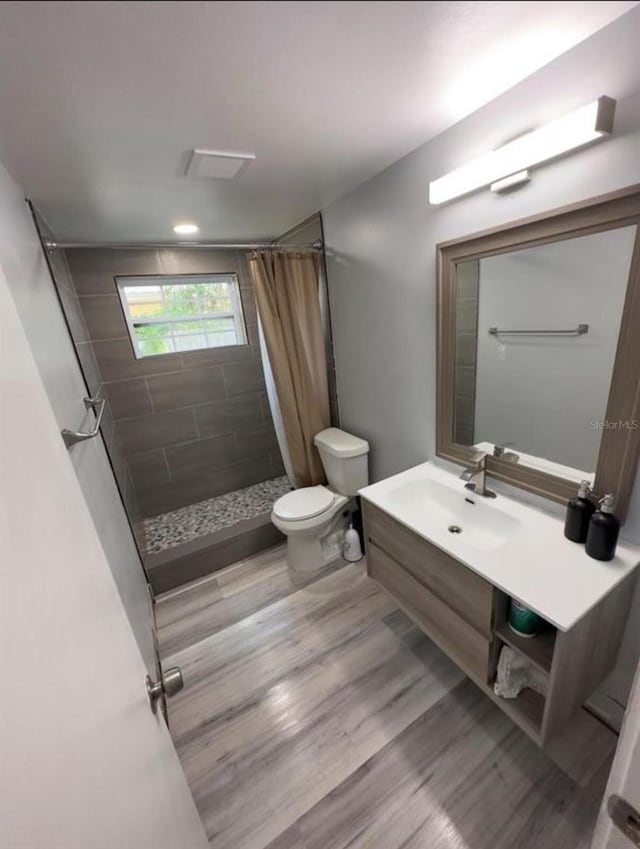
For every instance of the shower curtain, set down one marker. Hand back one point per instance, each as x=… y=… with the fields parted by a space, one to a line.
x=274 y=405
x=287 y=295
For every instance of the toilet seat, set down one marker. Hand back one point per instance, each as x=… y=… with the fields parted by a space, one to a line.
x=304 y=503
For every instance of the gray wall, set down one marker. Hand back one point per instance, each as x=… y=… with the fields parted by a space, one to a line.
x=191 y=425
x=381 y=237
x=523 y=381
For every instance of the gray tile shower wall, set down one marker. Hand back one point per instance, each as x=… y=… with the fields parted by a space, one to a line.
x=466 y=345
x=81 y=335
x=191 y=426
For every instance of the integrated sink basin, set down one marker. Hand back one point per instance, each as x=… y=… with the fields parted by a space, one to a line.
x=450 y=559
x=449 y=508
x=519 y=548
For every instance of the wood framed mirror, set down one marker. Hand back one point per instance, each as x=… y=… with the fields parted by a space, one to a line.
x=538 y=347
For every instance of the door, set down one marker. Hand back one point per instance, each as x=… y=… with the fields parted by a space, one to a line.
x=623 y=787
x=26 y=272
x=85 y=763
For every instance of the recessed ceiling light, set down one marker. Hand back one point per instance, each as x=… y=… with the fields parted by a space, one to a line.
x=185 y=229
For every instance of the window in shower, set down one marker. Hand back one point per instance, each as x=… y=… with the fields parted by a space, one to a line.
x=170 y=314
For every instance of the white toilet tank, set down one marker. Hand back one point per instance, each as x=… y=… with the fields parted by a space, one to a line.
x=344 y=458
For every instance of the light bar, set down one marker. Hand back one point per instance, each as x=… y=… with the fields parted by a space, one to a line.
x=510 y=182
x=575 y=129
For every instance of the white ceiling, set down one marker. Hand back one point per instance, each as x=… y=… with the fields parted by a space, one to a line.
x=102 y=101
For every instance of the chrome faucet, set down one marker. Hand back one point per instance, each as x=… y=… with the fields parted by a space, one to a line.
x=476 y=476
x=501 y=452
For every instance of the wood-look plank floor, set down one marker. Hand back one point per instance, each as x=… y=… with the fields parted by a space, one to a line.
x=315 y=715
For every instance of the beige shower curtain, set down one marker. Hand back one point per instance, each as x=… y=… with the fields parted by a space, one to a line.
x=286 y=287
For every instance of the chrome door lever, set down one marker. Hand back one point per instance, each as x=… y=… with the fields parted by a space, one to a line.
x=169 y=684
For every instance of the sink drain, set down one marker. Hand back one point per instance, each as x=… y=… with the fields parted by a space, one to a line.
x=455 y=529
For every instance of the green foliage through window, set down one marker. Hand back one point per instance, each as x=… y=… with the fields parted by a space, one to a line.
x=173 y=314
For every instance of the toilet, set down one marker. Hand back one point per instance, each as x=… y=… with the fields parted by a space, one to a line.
x=312 y=518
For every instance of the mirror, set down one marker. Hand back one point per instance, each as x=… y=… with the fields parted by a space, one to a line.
x=536 y=337
x=537 y=360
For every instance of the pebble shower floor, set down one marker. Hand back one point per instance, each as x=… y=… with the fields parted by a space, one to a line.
x=214 y=514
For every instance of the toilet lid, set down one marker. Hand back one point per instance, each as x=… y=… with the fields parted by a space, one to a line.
x=303 y=503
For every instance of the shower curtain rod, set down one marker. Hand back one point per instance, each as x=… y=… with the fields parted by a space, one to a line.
x=220 y=246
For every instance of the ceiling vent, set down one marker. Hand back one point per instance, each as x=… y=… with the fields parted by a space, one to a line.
x=217 y=164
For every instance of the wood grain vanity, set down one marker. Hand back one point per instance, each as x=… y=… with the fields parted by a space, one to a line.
x=465 y=615
x=513 y=371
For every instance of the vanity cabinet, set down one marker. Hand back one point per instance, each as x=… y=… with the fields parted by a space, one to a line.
x=466 y=616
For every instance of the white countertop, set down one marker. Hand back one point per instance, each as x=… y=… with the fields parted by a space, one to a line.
x=531 y=561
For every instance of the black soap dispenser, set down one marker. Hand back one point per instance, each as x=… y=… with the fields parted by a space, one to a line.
x=603 y=531
x=579 y=512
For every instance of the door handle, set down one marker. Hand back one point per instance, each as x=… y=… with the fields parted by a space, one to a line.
x=72 y=436
x=170 y=683
x=625 y=817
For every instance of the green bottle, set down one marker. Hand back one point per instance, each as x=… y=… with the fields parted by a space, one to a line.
x=523 y=621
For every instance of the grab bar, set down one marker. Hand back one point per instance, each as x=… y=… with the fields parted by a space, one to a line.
x=580 y=330
x=72 y=436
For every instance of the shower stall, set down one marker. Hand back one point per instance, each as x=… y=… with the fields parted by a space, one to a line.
x=168 y=337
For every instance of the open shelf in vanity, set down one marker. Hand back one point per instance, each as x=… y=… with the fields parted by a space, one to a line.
x=538 y=649
x=528 y=709
x=466 y=616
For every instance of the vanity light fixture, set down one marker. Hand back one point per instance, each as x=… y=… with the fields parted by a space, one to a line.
x=186 y=229
x=512 y=181
x=575 y=129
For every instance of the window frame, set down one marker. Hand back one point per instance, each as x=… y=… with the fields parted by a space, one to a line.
x=140 y=281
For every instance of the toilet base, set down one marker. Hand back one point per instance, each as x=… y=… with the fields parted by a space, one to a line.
x=304 y=554
x=307 y=554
